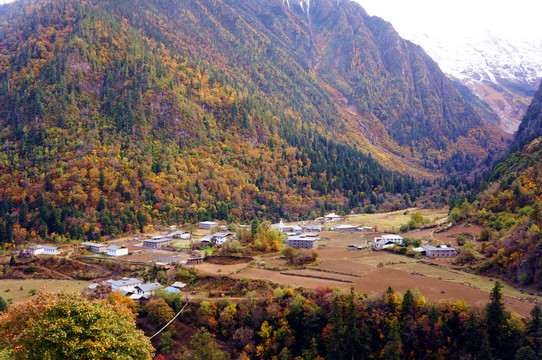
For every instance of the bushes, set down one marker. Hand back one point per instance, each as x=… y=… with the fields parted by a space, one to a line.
x=299 y=257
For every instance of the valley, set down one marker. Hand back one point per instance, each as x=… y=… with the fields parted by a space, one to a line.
x=369 y=272
x=258 y=179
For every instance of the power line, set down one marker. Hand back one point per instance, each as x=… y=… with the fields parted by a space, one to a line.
x=165 y=326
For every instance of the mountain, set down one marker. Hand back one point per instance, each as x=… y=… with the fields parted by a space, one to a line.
x=510 y=209
x=122 y=115
x=504 y=73
x=391 y=86
x=531 y=126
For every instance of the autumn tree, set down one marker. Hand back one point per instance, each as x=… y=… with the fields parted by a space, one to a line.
x=159 y=311
x=203 y=347
x=67 y=326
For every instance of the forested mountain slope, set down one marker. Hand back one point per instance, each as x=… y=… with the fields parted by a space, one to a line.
x=531 y=126
x=115 y=115
x=511 y=208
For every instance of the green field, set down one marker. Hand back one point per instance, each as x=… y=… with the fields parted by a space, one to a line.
x=392 y=221
x=17 y=289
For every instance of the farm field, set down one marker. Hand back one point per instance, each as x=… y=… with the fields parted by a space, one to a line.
x=17 y=289
x=436 y=283
x=392 y=221
x=436 y=279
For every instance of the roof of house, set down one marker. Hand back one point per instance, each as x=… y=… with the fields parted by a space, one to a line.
x=124 y=282
x=221 y=234
x=383 y=242
x=312 y=227
x=302 y=238
x=345 y=226
x=332 y=215
x=418 y=249
x=431 y=247
x=178 y=232
x=172 y=289
x=137 y=296
x=148 y=286
x=115 y=247
x=50 y=248
x=206 y=238
x=36 y=247
x=178 y=284
x=153 y=240
x=88 y=243
x=208 y=223
x=391 y=236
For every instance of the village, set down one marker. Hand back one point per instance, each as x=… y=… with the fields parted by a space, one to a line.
x=355 y=250
x=180 y=246
x=173 y=247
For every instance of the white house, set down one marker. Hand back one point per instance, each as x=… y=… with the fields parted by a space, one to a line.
x=115 y=250
x=34 y=250
x=331 y=217
x=383 y=244
x=126 y=285
x=179 y=234
x=51 y=250
x=207 y=225
x=146 y=290
x=390 y=237
x=220 y=238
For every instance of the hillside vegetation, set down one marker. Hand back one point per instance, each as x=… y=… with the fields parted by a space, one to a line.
x=120 y=115
x=510 y=208
x=112 y=119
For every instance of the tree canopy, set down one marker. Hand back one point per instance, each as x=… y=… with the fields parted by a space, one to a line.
x=65 y=325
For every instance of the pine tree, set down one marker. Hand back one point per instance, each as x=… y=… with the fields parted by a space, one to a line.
x=497 y=328
x=533 y=330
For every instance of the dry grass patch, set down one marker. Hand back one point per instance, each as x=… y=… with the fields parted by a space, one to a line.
x=18 y=289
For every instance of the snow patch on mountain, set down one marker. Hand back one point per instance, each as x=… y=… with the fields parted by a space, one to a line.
x=504 y=73
x=305 y=5
x=486 y=57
